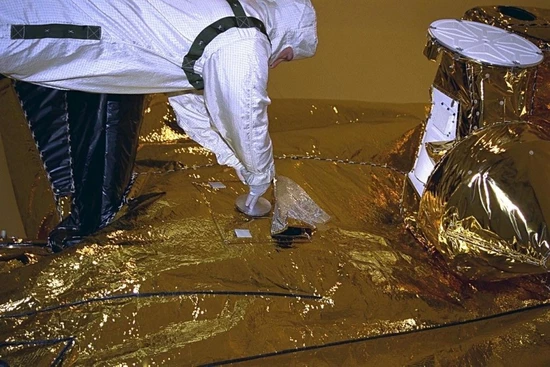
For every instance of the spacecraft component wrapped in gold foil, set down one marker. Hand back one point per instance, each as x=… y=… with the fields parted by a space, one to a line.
x=488 y=214
x=532 y=24
x=477 y=191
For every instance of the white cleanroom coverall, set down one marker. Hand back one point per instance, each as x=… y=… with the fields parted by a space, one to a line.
x=138 y=46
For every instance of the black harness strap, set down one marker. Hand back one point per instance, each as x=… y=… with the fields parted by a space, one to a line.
x=240 y=20
x=39 y=31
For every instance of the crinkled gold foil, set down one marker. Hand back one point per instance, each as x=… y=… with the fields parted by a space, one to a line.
x=354 y=284
x=536 y=30
x=169 y=283
x=437 y=150
x=487 y=218
x=487 y=94
x=487 y=214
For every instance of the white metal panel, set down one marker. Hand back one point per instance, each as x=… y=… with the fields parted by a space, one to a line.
x=485 y=43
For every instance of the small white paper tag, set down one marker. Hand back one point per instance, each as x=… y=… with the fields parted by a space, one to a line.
x=217 y=185
x=243 y=233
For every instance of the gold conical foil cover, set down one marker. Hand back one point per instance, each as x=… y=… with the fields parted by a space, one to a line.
x=486 y=206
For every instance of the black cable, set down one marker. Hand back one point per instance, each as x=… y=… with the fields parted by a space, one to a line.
x=46 y=343
x=160 y=294
x=37 y=343
x=71 y=340
x=374 y=337
x=61 y=356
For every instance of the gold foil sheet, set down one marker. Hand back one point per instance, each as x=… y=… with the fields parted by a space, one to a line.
x=168 y=282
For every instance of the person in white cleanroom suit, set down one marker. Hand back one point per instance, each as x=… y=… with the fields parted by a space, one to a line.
x=211 y=56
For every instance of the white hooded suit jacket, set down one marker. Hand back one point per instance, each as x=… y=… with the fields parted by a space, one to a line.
x=137 y=46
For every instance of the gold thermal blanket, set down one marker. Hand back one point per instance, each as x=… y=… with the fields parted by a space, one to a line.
x=169 y=283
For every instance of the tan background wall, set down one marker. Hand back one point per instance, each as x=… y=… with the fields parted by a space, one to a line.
x=9 y=215
x=369 y=50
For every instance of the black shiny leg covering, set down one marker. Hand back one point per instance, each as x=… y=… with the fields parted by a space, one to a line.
x=88 y=144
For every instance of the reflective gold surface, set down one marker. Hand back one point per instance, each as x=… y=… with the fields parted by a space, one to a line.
x=484 y=208
x=488 y=213
x=359 y=279
x=487 y=94
x=535 y=30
